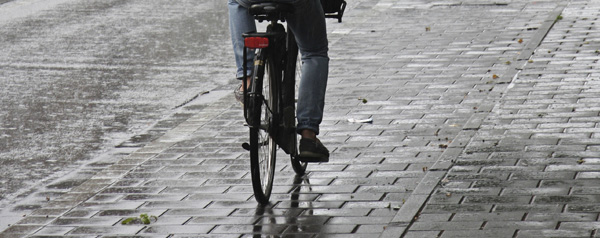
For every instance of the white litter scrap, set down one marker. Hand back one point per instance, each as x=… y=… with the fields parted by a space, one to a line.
x=368 y=120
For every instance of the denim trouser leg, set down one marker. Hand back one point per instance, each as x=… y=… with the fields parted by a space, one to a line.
x=240 y=22
x=308 y=25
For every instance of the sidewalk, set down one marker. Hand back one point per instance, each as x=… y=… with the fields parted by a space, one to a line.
x=530 y=168
x=473 y=135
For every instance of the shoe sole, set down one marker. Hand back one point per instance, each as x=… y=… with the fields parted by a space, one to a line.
x=310 y=157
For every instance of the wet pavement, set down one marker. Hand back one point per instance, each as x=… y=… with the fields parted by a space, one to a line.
x=81 y=77
x=485 y=120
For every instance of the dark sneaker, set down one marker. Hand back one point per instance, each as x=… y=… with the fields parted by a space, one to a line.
x=239 y=94
x=312 y=151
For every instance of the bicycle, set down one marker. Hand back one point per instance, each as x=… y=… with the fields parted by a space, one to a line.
x=269 y=101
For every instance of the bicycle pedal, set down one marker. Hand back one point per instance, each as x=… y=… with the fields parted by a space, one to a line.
x=246 y=146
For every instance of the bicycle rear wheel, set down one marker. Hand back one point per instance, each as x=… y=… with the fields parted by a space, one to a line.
x=263 y=149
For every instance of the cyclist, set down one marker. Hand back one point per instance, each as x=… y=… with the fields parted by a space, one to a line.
x=307 y=22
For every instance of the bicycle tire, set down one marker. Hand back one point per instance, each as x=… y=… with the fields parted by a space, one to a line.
x=263 y=149
x=294 y=65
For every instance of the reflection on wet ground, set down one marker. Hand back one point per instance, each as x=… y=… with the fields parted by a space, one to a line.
x=297 y=218
x=84 y=76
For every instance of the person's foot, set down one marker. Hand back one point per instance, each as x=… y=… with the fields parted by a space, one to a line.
x=312 y=151
x=239 y=94
x=239 y=91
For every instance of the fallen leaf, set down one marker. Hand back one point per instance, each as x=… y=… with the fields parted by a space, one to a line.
x=145 y=219
x=520 y=40
x=128 y=220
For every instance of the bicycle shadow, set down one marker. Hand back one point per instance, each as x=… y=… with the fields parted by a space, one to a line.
x=297 y=217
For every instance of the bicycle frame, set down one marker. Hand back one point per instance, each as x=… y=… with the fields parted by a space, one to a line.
x=272 y=42
x=278 y=41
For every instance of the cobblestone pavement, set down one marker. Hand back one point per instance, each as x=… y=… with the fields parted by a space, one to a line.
x=531 y=167
x=484 y=124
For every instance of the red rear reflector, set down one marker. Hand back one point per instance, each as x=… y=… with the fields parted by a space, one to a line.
x=256 y=42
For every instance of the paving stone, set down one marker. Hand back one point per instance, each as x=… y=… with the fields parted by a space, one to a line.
x=100 y=221
x=268 y=229
x=507 y=232
x=185 y=229
x=105 y=230
x=20 y=229
x=427 y=225
x=54 y=231
x=553 y=233
x=198 y=212
x=35 y=220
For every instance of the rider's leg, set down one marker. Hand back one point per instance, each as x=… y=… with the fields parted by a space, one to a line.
x=240 y=21
x=308 y=25
x=306 y=133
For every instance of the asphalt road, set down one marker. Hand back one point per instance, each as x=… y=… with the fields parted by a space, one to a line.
x=79 y=77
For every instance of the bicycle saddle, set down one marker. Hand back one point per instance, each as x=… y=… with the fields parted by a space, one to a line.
x=267 y=8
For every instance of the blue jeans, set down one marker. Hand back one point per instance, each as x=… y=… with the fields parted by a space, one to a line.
x=308 y=25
